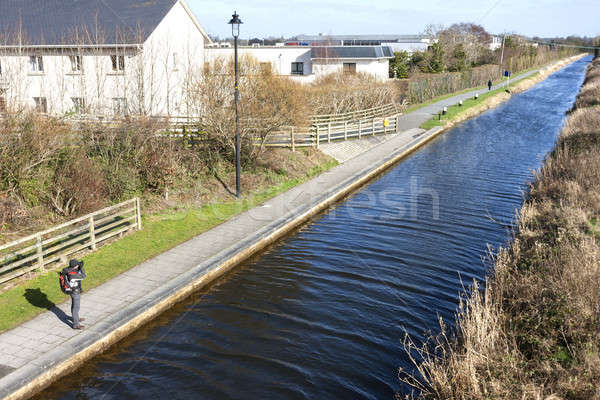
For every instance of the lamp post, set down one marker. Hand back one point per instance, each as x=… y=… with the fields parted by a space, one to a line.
x=235 y=31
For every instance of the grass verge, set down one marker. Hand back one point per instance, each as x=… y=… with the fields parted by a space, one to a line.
x=416 y=107
x=160 y=233
x=455 y=110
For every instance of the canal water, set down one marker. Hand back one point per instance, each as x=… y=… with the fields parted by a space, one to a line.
x=322 y=314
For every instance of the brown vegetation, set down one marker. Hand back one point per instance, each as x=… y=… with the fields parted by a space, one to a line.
x=51 y=171
x=534 y=333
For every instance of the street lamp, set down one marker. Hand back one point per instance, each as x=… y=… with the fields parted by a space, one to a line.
x=235 y=31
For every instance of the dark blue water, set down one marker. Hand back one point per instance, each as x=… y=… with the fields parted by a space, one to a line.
x=322 y=314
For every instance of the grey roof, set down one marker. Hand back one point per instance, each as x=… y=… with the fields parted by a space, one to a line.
x=353 y=52
x=382 y=37
x=80 y=22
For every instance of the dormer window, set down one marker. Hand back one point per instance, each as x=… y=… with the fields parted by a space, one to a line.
x=36 y=64
x=118 y=63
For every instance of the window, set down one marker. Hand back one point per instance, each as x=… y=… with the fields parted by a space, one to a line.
x=119 y=106
x=175 y=62
x=297 y=68
x=78 y=105
x=36 y=64
x=76 y=63
x=41 y=105
x=349 y=68
x=118 y=63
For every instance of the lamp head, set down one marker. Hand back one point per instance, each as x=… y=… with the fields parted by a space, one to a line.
x=235 y=23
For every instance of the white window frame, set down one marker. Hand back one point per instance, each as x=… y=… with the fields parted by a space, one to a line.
x=76 y=63
x=41 y=104
x=120 y=106
x=175 y=62
x=117 y=63
x=296 y=70
x=36 y=64
x=79 y=105
x=352 y=66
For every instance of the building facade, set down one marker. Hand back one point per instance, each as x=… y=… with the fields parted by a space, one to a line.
x=115 y=57
x=108 y=57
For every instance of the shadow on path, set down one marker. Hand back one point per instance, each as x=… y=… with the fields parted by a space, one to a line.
x=39 y=299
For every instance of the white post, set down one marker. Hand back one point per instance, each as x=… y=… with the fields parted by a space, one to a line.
x=293 y=144
x=39 y=251
x=92 y=232
x=345 y=130
x=373 y=126
x=359 y=127
x=329 y=133
x=318 y=134
x=139 y=213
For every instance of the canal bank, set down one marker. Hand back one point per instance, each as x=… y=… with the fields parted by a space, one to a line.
x=534 y=331
x=172 y=276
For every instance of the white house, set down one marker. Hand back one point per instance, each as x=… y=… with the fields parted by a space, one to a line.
x=304 y=64
x=98 y=56
x=108 y=57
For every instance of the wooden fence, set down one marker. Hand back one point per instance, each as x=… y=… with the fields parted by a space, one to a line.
x=332 y=131
x=49 y=249
x=380 y=111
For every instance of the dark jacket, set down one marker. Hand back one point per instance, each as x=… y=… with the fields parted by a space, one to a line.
x=75 y=275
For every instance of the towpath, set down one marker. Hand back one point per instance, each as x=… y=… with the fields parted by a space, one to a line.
x=38 y=351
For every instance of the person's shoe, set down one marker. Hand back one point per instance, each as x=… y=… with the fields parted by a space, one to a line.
x=79 y=327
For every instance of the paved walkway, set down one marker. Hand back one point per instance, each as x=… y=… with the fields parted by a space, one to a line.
x=37 y=346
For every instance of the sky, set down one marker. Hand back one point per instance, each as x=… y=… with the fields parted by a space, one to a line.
x=264 y=18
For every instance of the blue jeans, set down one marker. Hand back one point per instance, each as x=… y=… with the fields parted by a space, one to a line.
x=75 y=302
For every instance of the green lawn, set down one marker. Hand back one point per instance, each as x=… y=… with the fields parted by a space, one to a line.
x=415 y=107
x=455 y=110
x=159 y=234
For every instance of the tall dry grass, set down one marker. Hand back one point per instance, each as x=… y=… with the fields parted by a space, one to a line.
x=534 y=332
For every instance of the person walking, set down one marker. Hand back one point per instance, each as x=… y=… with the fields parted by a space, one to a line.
x=76 y=274
x=490 y=84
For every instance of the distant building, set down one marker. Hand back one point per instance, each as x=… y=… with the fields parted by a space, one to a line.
x=304 y=63
x=408 y=43
x=496 y=42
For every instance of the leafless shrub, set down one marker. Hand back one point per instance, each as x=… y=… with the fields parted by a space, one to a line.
x=266 y=104
x=339 y=93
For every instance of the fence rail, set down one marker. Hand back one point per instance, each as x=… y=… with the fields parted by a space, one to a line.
x=333 y=131
x=380 y=111
x=50 y=248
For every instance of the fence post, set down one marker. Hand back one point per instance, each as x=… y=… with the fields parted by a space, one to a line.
x=139 y=213
x=329 y=133
x=92 y=232
x=373 y=126
x=39 y=251
x=318 y=136
x=359 y=127
x=345 y=130
x=293 y=143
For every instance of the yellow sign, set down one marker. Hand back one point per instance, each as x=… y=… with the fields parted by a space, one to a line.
x=386 y=122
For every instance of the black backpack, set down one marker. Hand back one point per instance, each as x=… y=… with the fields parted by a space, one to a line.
x=63 y=282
